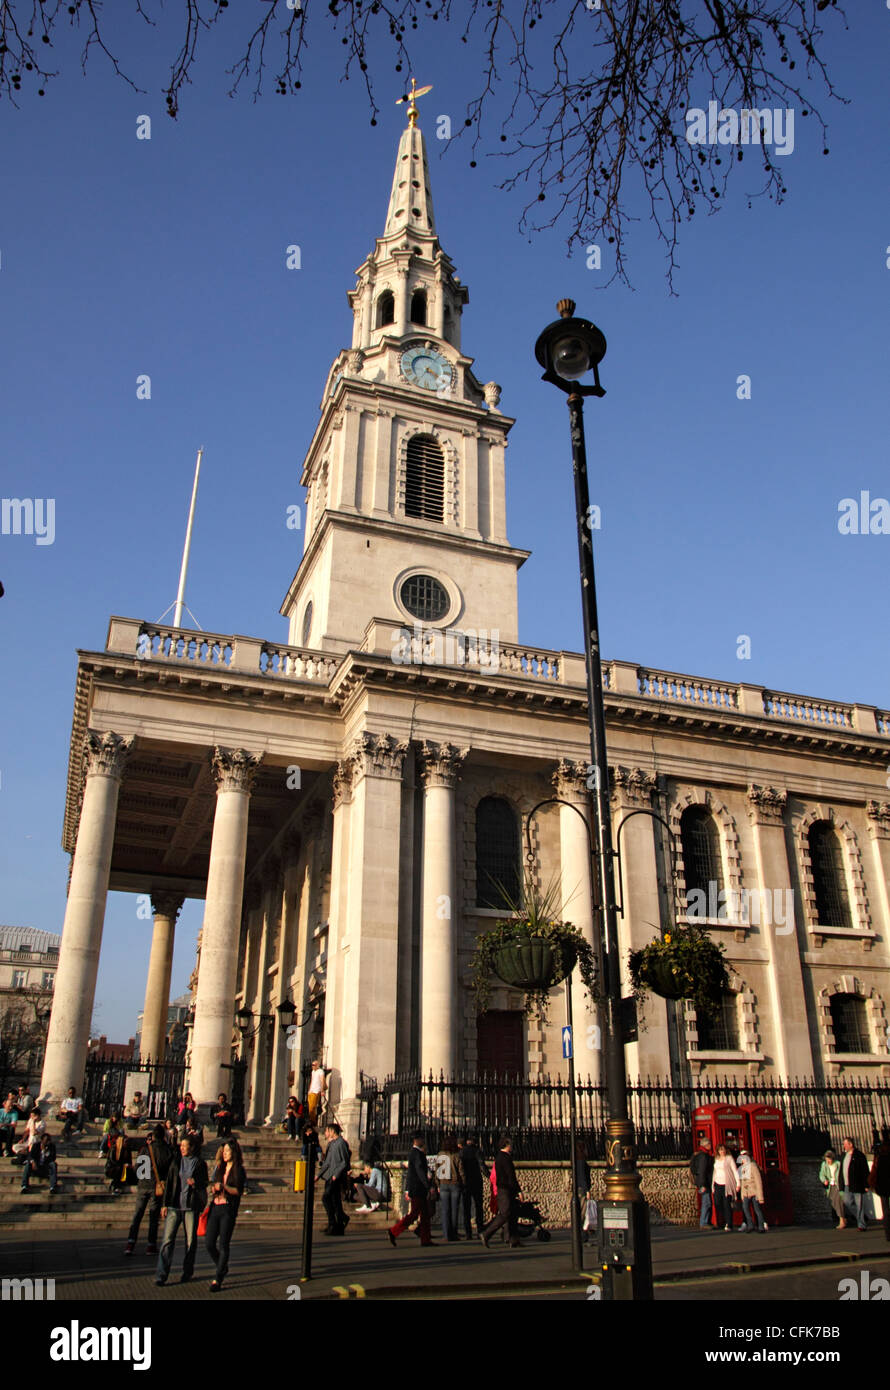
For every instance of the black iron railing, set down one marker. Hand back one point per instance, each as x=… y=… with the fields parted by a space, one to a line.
x=535 y=1112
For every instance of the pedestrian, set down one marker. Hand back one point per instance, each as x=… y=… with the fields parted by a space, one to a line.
x=582 y=1179
x=751 y=1192
x=334 y=1168
x=227 y=1188
x=40 y=1162
x=317 y=1090
x=879 y=1181
x=471 y=1193
x=222 y=1113
x=450 y=1179
x=171 y=1136
x=71 y=1111
x=507 y=1193
x=110 y=1130
x=24 y=1102
x=853 y=1181
x=418 y=1191
x=35 y=1127
x=152 y=1166
x=9 y=1118
x=701 y=1168
x=185 y=1197
x=371 y=1189
x=118 y=1162
x=725 y=1186
x=185 y=1110
x=829 y=1175
x=135 y=1111
x=192 y=1129
x=292 y=1116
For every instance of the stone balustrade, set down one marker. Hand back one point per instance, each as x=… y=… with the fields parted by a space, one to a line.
x=469 y=649
x=667 y=685
x=156 y=642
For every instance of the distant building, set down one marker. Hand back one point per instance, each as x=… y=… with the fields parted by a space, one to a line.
x=112 y=1052
x=177 y=1012
x=29 y=959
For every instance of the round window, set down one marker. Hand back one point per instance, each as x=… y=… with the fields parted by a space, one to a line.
x=307 y=624
x=425 y=598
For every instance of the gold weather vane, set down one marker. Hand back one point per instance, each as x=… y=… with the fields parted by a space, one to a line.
x=411 y=98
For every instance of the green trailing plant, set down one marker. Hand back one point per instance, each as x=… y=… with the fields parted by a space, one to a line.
x=685 y=963
x=532 y=949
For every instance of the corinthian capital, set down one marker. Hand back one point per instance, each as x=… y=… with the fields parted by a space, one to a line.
x=572 y=779
x=766 y=805
x=234 y=769
x=377 y=755
x=166 y=904
x=106 y=754
x=878 y=813
x=440 y=763
x=633 y=785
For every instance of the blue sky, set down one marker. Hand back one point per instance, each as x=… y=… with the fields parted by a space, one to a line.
x=166 y=256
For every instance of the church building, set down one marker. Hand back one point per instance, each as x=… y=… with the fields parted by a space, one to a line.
x=345 y=803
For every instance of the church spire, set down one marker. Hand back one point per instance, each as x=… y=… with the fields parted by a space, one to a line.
x=411 y=202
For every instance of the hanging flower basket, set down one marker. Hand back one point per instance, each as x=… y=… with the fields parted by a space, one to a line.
x=530 y=963
x=531 y=950
x=683 y=964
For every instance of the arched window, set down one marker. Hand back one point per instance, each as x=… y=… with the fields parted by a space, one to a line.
x=719 y=1032
x=850 y=1023
x=702 y=866
x=307 y=624
x=425 y=479
x=497 y=852
x=418 y=306
x=829 y=880
x=386 y=309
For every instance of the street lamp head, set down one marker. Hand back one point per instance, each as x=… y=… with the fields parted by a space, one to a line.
x=244 y=1018
x=285 y=1011
x=568 y=349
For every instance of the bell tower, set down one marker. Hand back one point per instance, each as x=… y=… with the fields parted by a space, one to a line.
x=405 y=504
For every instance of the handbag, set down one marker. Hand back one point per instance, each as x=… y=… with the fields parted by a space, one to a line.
x=159 y=1186
x=590 y=1215
x=202 y=1221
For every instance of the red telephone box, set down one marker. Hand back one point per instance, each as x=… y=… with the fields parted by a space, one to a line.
x=722 y=1124
x=769 y=1149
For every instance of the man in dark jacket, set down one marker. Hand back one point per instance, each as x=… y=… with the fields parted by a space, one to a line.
x=40 y=1162
x=334 y=1168
x=185 y=1197
x=701 y=1167
x=472 y=1190
x=508 y=1191
x=152 y=1166
x=418 y=1189
x=853 y=1181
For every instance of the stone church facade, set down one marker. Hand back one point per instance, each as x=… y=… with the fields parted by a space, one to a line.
x=344 y=802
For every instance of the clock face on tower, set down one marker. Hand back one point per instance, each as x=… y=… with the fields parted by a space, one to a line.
x=423 y=365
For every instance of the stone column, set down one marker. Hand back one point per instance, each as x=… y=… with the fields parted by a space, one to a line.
x=793 y=1054
x=879 y=833
x=570 y=784
x=284 y=1058
x=439 y=765
x=104 y=758
x=234 y=771
x=400 y=327
x=632 y=790
x=264 y=1037
x=165 y=907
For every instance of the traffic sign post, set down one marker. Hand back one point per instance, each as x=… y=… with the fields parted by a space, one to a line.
x=568 y=1050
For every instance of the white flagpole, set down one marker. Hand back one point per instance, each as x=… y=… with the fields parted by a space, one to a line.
x=180 y=596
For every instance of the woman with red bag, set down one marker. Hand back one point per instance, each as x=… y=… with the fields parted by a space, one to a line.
x=226 y=1189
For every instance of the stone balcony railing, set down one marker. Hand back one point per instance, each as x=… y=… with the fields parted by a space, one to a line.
x=482 y=652
x=156 y=642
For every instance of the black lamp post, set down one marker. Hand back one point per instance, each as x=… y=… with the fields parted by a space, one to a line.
x=567 y=350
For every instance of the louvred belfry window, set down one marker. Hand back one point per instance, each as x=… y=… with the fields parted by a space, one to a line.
x=425 y=479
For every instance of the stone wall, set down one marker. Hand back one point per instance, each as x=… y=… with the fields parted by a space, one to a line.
x=666 y=1186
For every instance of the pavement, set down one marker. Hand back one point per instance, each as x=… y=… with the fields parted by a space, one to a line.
x=265 y=1265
